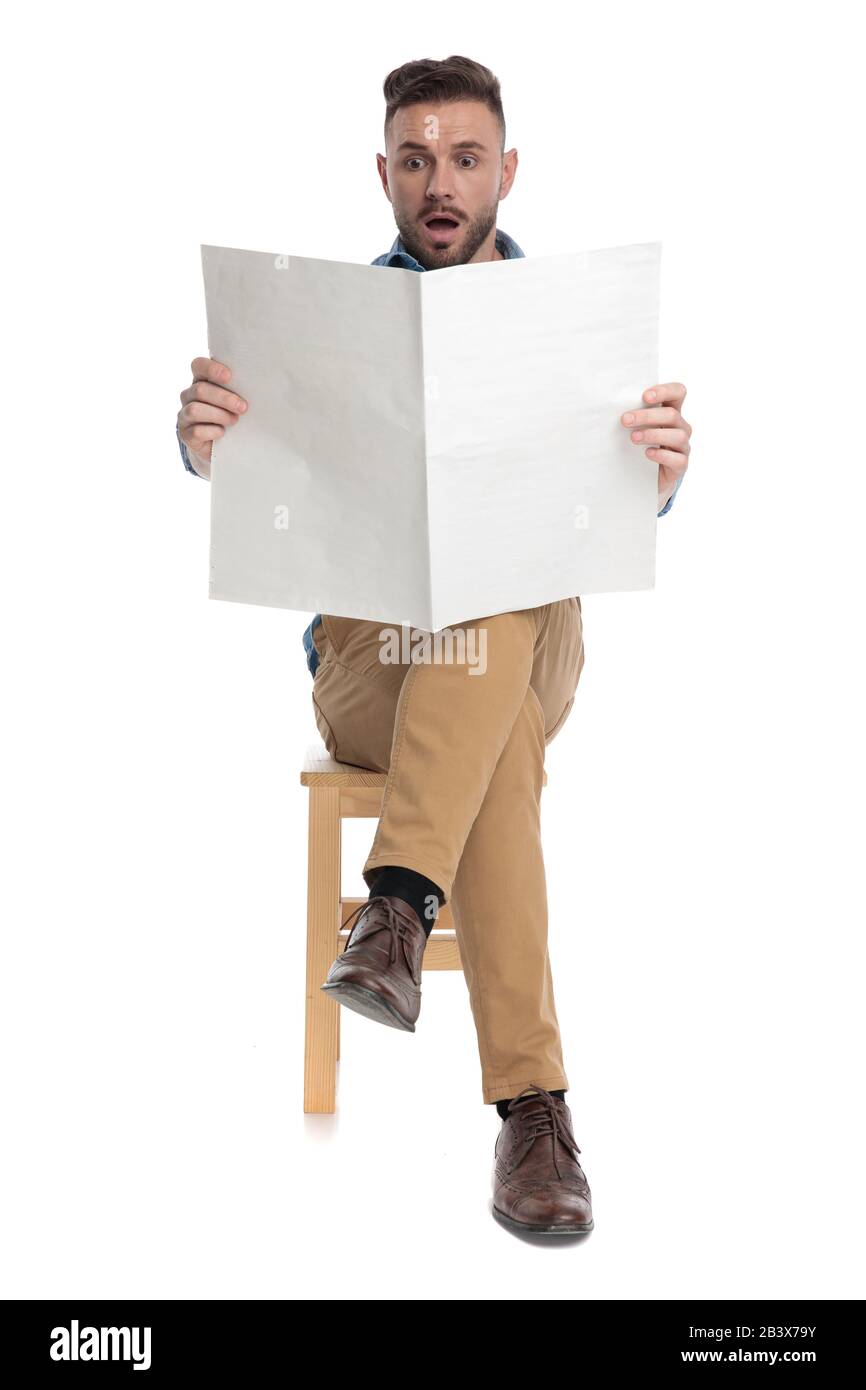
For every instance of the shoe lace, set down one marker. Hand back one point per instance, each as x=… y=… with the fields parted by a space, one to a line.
x=400 y=928
x=539 y=1120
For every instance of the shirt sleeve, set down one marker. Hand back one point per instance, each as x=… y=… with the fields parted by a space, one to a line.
x=184 y=454
x=670 y=502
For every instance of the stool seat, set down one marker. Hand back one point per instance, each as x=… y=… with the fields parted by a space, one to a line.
x=321 y=770
x=340 y=791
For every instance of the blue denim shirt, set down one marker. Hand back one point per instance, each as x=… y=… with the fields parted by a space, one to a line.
x=399 y=256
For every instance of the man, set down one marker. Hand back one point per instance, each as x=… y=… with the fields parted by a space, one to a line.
x=460 y=818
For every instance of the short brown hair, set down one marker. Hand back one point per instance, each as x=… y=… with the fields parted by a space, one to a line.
x=448 y=79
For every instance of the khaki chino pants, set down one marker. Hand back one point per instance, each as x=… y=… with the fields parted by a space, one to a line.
x=463 y=750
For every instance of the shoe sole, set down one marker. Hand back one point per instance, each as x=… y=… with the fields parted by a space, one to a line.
x=578 y=1230
x=369 y=1004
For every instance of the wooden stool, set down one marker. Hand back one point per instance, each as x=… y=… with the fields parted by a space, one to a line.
x=337 y=791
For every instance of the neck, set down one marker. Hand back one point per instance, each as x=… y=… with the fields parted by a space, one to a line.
x=489 y=251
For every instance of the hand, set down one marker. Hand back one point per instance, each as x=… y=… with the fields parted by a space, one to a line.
x=208 y=409
x=663 y=427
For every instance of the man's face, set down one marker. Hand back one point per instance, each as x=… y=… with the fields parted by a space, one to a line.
x=446 y=159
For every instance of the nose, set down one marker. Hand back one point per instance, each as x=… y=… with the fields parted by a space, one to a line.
x=440 y=188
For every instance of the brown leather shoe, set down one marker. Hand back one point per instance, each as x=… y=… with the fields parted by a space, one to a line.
x=538 y=1184
x=378 y=973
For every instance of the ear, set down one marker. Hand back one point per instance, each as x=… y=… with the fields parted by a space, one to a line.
x=509 y=170
x=382 y=166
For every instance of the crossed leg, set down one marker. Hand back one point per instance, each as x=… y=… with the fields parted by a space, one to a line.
x=464 y=754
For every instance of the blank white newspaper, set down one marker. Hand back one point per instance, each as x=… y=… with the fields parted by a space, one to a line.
x=430 y=448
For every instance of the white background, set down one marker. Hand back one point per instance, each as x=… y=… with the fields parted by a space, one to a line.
x=703 y=819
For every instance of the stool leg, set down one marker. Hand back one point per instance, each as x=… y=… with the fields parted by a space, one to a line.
x=323 y=911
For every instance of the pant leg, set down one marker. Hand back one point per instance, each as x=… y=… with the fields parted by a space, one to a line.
x=499 y=898
x=355 y=695
x=499 y=905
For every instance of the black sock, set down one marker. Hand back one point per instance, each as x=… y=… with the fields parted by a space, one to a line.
x=419 y=892
x=502 y=1105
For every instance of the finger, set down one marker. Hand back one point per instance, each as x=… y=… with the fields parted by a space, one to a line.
x=677 y=463
x=196 y=435
x=215 y=395
x=203 y=413
x=658 y=415
x=668 y=393
x=670 y=439
x=208 y=369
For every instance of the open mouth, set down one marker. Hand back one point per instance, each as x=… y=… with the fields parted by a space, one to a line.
x=441 y=226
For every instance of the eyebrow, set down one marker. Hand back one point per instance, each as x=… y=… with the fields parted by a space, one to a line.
x=425 y=145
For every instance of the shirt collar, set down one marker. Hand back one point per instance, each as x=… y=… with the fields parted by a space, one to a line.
x=399 y=256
